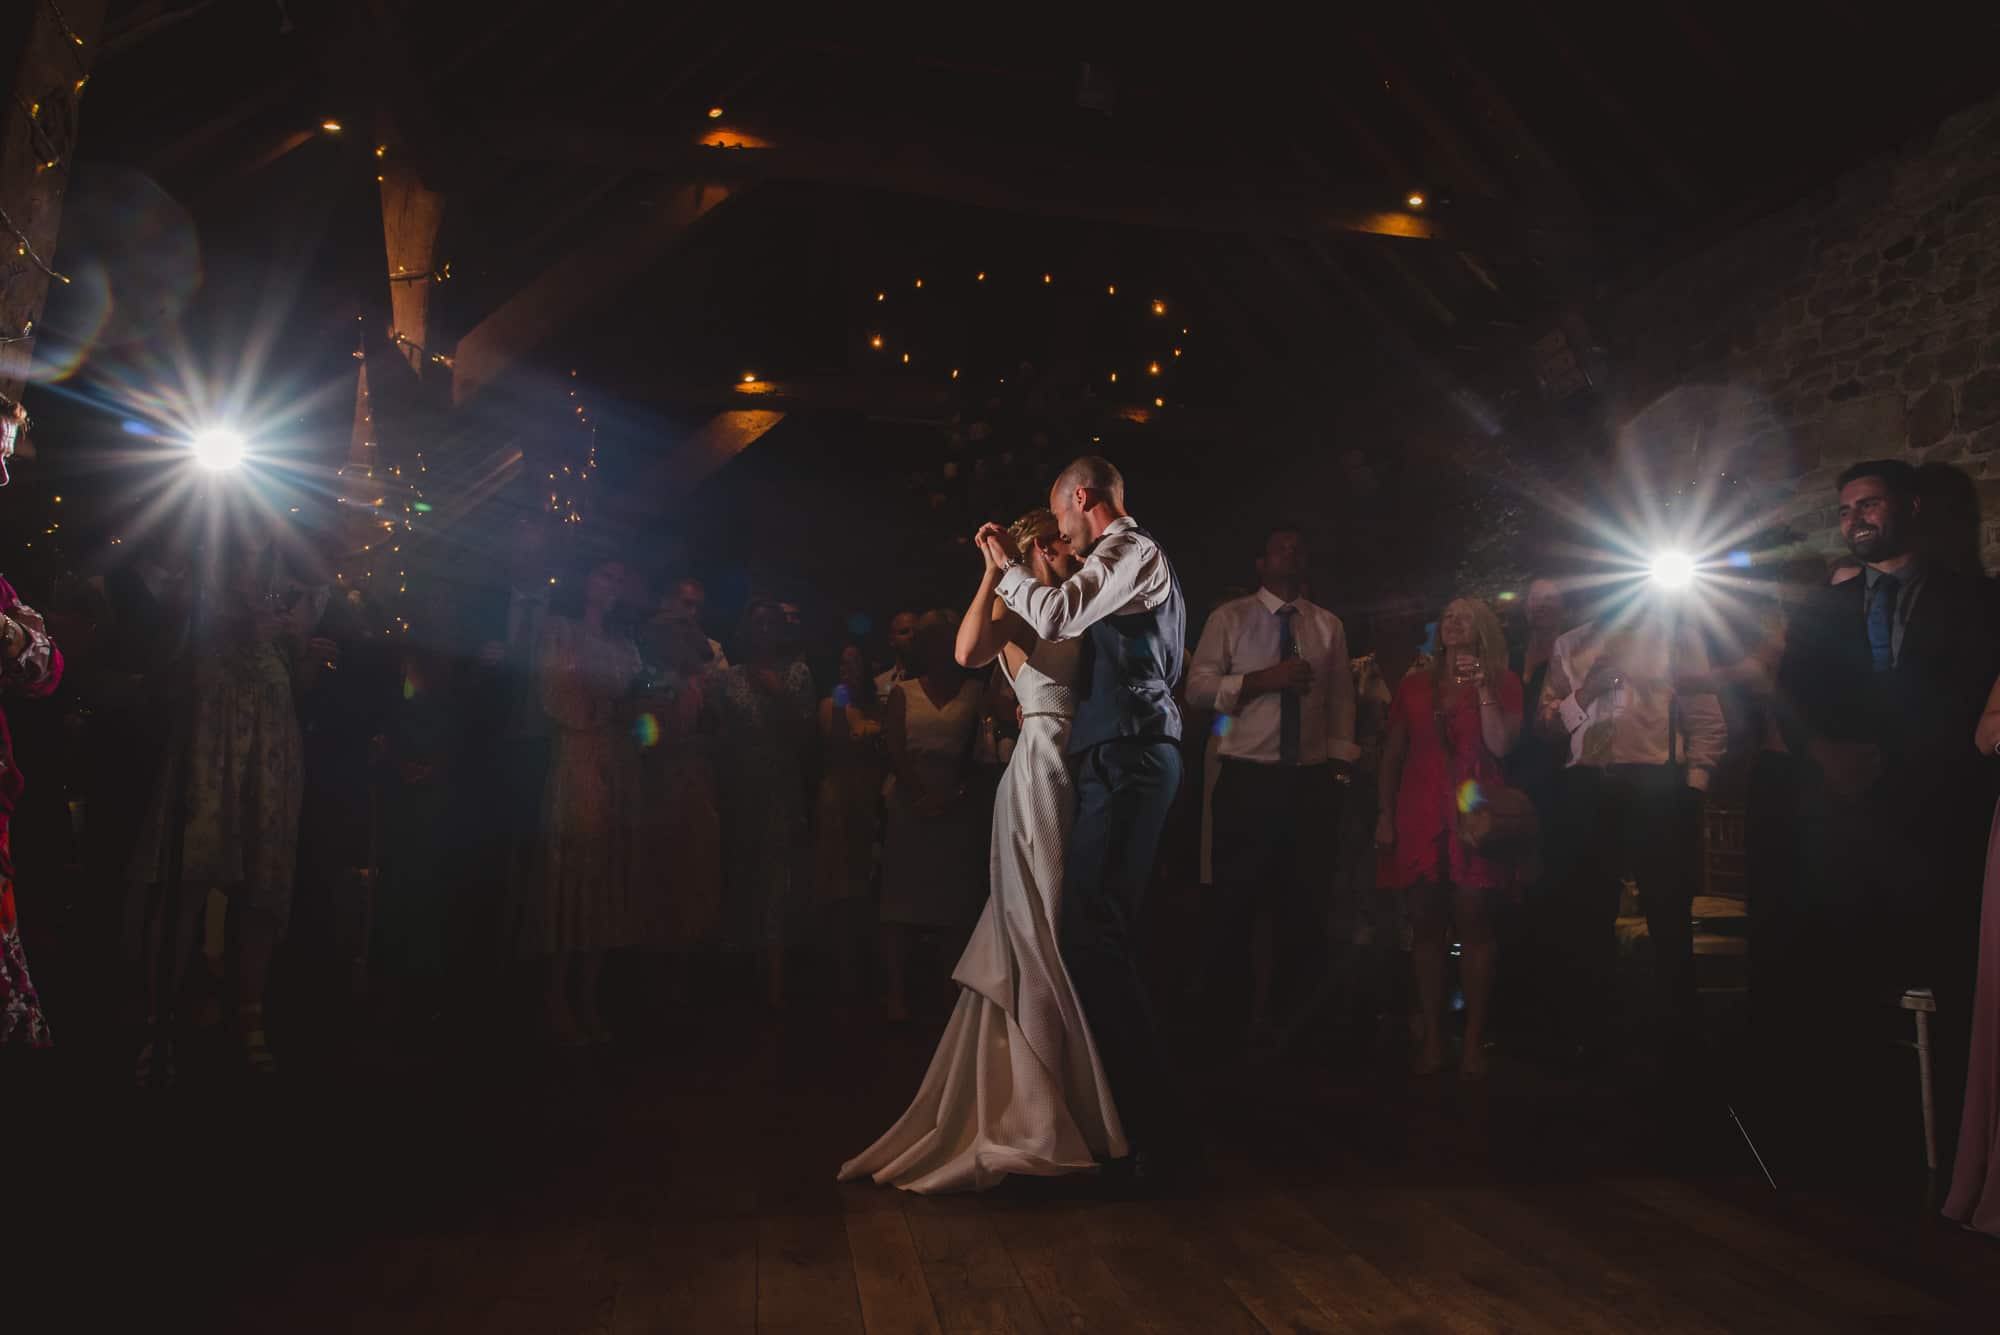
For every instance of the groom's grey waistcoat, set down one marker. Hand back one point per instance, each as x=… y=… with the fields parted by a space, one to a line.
x=1131 y=663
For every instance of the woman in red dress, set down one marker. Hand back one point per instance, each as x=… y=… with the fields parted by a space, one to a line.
x=1448 y=731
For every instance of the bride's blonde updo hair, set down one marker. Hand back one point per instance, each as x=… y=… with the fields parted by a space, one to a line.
x=1032 y=527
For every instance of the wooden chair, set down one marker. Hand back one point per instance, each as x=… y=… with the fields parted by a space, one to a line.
x=1724 y=861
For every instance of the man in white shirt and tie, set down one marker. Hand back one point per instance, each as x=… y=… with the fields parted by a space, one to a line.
x=1640 y=758
x=1273 y=667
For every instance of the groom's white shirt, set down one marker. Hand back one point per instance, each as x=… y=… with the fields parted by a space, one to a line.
x=1125 y=572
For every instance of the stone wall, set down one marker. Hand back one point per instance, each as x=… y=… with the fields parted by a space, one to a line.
x=1859 y=323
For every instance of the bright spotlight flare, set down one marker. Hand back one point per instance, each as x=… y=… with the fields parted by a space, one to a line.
x=1672 y=570
x=218 y=448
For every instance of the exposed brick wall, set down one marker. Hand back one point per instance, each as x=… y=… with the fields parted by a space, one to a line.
x=1862 y=322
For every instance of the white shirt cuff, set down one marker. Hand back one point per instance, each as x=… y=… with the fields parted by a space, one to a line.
x=1228 y=693
x=1011 y=581
x=1573 y=714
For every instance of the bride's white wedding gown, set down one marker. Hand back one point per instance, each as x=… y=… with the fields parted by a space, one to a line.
x=1015 y=1085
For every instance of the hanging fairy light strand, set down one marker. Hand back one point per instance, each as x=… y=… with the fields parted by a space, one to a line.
x=70 y=39
x=563 y=503
x=47 y=155
x=24 y=247
x=1152 y=366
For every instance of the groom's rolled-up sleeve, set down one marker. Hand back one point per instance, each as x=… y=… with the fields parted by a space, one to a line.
x=1123 y=570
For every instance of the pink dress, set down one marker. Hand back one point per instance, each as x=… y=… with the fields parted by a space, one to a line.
x=1427 y=849
x=1975 y=1175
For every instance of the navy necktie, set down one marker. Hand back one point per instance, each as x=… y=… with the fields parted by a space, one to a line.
x=1882 y=623
x=1289 y=702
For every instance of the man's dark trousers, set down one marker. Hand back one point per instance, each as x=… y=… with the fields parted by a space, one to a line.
x=1125 y=789
x=1274 y=848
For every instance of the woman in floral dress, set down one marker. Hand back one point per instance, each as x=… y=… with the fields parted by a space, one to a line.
x=764 y=714
x=30 y=665
x=245 y=779
x=586 y=670
x=680 y=833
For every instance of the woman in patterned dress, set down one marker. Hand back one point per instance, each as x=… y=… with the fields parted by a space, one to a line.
x=586 y=672
x=30 y=665
x=764 y=715
x=244 y=764
x=680 y=837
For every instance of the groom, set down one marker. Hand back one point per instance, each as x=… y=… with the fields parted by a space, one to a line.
x=1124 y=603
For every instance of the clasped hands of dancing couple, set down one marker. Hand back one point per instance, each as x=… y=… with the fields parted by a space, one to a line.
x=1050 y=1063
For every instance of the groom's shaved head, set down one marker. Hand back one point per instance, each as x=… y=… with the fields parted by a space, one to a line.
x=1097 y=473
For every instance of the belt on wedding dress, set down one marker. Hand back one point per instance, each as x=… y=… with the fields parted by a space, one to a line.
x=1047 y=714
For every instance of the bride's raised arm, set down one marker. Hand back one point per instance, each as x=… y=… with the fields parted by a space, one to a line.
x=987 y=627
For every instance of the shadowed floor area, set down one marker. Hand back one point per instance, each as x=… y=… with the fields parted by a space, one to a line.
x=685 y=1183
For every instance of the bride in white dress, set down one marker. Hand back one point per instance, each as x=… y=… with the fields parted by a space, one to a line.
x=1015 y=1085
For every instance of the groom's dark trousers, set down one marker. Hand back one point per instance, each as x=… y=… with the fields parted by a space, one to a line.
x=1125 y=788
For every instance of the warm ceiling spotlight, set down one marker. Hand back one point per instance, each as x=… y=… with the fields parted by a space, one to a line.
x=1177 y=352
x=1047 y=279
x=1159 y=308
x=381 y=150
x=920 y=282
x=954 y=373
x=1153 y=368
x=1111 y=290
x=881 y=296
x=906 y=359
x=749 y=377
x=1159 y=403
x=1114 y=377
x=715 y=113
x=1416 y=200
x=875 y=342
x=331 y=127
x=982 y=275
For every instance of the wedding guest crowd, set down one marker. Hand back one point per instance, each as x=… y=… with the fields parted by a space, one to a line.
x=568 y=778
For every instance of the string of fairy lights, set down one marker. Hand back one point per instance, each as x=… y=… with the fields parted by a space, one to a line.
x=563 y=503
x=389 y=489
x=1151 y=370
x=48 y=156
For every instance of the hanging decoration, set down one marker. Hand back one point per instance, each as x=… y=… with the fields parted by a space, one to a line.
x=566 y=499
x=894 y=329
x=384 y=504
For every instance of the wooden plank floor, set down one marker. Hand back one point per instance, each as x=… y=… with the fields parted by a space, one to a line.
x=686 y=1184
